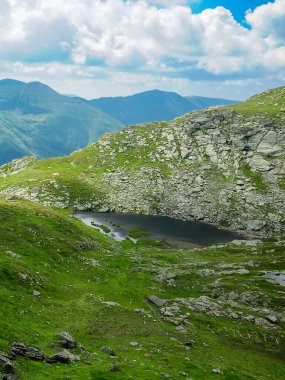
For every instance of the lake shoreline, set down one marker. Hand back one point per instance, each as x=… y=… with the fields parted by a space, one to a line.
x=173 y=233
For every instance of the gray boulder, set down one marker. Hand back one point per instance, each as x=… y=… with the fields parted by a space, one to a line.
x=156 y=301
x=64 y=357
x=67 y=340
x=108 y=350
x=33 y=353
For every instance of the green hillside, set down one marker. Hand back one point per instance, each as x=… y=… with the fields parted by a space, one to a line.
x=36 y=120
x=59 y=275
x=142 y=311
x=271 y=102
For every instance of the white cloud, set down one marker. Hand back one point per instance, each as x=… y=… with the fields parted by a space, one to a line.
x=269 y=20
x=144 y=38
x=170 y=3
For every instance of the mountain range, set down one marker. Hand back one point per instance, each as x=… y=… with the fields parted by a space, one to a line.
x=153 y=105
x=36 y=120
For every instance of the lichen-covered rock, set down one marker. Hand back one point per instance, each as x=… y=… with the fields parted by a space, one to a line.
x=33 y=353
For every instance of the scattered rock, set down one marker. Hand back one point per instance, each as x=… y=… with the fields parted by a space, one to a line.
x=272 y=319
x=139 y=310
x=36 y=293
x=67 y=340
x=9 y=369
x=10 y=376
x=33 y=353
x=134 y=344
x=157 y=301
x=217 y=371
x=115 y=368
x=166 y=375
x=4 y=358
x=14 y=255
x=110 y=303
x=108 y=350
x=181 y=329
x=63 y=357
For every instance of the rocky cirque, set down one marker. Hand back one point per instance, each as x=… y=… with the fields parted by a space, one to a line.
x=222 y=165
x=223 y=168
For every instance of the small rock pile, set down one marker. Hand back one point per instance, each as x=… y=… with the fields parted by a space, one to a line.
x=34 y=353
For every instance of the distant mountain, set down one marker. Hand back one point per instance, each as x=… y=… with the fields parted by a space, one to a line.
x=144 y=107
x=36 y=120
x=153 y=105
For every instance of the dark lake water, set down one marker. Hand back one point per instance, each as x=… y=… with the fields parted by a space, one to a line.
x=176 y=233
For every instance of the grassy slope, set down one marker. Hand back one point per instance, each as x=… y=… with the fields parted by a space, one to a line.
x=80 y=173
x=56 y=254
x=271 y=102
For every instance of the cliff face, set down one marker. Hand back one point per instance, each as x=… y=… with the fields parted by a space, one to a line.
x=215 y=166
x=221 y=165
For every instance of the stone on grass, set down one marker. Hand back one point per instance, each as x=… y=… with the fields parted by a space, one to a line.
x=4 y=358
x=67 y=340
x=272 y=319
x=33 y=353
x=217 y=371
x=10 y=376
x=108 y=350
x=157 y=301
x=9 y=372
x=115 y=368
x=64 y=357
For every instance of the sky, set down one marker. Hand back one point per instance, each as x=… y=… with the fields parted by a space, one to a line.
x=94 y=48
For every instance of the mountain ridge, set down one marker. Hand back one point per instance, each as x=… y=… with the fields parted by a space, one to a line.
x=35 y=119
x=153 y=105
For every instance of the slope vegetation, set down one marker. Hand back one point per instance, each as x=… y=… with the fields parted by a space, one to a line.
x=158 y=314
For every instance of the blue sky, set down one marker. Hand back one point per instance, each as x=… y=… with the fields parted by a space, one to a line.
x=237 y=7
x=99 y=48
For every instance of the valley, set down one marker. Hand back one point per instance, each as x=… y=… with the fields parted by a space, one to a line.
x=162 y=313
x=79 y=304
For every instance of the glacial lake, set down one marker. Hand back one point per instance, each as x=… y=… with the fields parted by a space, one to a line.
x=174 y=233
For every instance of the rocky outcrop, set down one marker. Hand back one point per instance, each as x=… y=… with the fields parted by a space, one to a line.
x=215 y=165
x=64 y=357
x=33 y=353
x=16 y=166
x=67 y=340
